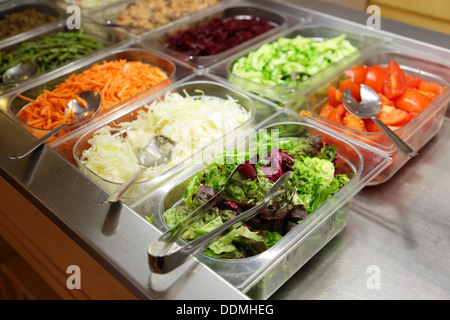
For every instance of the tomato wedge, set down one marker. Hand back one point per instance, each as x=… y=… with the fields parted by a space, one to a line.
x=431 y=87
x=357 y=74
x=410 y=116
x=412 y=82
x=352 y=86
x=375 y=78
x=354 y=122
x=394 y=81
x=334 y=96
x=372 y=126
x=326 y=110
x=385 y=101
x=337 y=114
x=413 y=101
x=391 y=115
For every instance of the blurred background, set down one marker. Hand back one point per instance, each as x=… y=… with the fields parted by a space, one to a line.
x=431 y=14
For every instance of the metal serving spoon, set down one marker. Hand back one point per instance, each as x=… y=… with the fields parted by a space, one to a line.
x=20 y=72
x=93 y=101
x=157 y=152
x=369 y=108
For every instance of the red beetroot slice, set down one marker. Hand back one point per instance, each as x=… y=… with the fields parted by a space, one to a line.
x=217 y=36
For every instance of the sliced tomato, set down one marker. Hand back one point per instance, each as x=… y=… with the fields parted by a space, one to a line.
x=326 y=110
x=385 y=100
x=410 y=116
x=394 y=81
x=412 y=82
x=429 y=94
x=357 y=74
x=334 y=96
x=352 y=86
x=391 y=115
x=354 y=122
x=337 y=114
x=375 y=78
x=413 y=101
x=371 y=126
x=431 y=87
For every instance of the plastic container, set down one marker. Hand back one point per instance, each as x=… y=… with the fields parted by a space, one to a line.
x=44 y=7
x=285 y=92
x=113 y=11
x=415 y=133
x=86 y=5
x=240 y=11
x=109 y=38
x=15 y=104
x=257 y=109
x=259 y=276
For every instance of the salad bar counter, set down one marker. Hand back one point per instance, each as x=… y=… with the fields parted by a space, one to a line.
x=226 y=99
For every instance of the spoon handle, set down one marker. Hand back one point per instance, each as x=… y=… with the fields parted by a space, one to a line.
x=115 y=196
x=36 y=144
x=399 y=143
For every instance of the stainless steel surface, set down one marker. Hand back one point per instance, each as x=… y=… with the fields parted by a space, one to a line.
x=115 y=235
x=370 y=107
x=397 y=233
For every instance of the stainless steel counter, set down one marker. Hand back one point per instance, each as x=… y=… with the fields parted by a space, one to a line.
x=396 y=244
x=397 y=233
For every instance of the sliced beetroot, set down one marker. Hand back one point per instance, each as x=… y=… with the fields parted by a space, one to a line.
x=217 y=36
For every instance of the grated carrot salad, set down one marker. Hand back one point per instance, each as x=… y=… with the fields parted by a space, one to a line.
x=115 y=81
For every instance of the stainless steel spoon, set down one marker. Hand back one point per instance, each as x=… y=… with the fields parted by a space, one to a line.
x=20 y=72
x=157 y=152
x=369 y=108
x=93 y=102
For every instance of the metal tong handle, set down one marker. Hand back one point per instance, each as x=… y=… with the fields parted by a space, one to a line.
x=170 y=236
x=160 y=262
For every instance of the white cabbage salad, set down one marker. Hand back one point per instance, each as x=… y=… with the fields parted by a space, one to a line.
x=192 y=123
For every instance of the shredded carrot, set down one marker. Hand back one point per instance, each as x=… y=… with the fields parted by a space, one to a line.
x=115 y=81
x=82 y=102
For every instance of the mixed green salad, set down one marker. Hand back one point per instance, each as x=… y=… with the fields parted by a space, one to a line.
x=313 y=181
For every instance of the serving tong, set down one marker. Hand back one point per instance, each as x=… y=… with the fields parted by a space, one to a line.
x=162 y=261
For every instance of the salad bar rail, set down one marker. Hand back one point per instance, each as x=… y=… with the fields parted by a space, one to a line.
x=395 y=244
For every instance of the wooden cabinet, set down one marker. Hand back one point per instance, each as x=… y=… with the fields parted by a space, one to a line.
x=433 y=14
x=44 y=253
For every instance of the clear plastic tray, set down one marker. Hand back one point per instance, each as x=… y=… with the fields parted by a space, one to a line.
x=130 y=53
x=110 y=39
x=259 y=276
x=86 y=5
x=259 y=111
x=417 y=132
x=113 y=11
x=283 y=92
x=241 y=10
x=47 y=8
